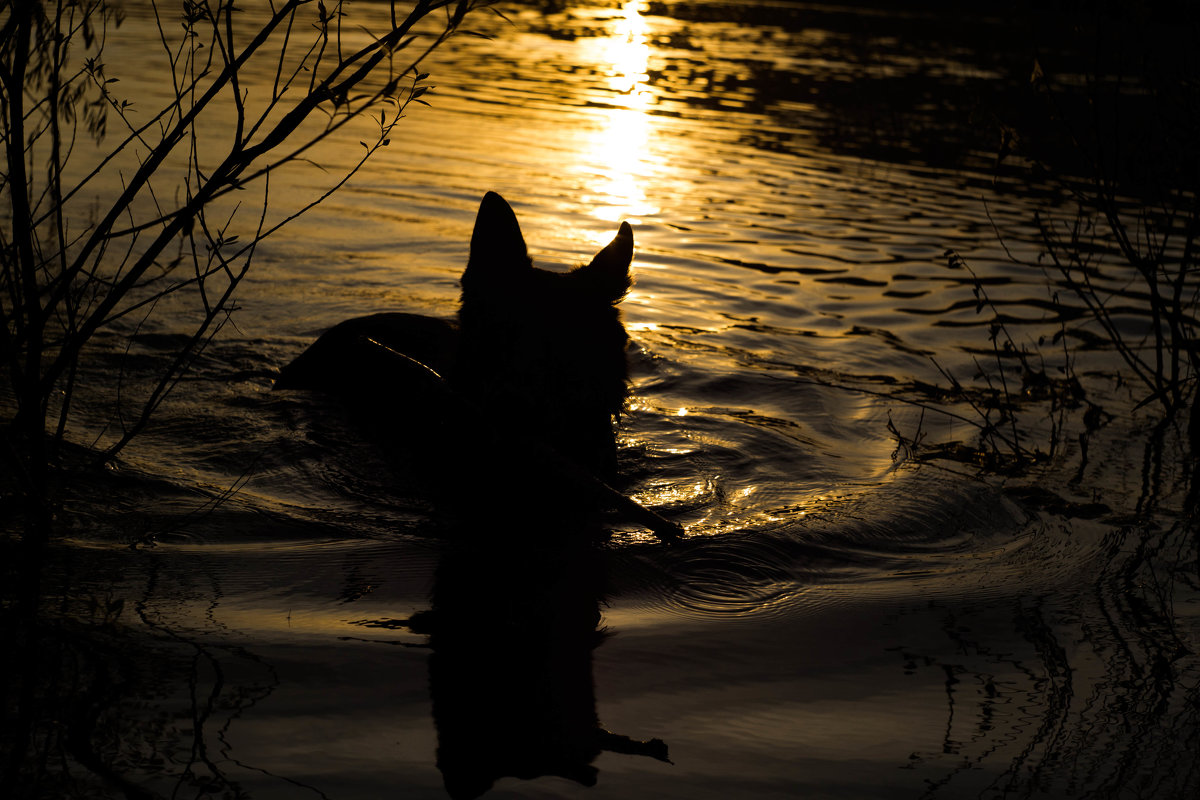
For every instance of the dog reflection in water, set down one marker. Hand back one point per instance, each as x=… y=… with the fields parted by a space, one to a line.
x=512 y=632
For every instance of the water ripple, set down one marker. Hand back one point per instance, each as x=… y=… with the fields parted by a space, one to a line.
x=881 y=539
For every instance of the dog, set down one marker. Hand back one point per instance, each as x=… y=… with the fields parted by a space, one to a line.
x=533 y=353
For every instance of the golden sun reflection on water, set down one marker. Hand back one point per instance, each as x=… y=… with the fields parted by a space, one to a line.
x=629 y=53
x=615 y=152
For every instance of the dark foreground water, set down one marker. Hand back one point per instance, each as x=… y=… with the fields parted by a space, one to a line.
x=846 y=617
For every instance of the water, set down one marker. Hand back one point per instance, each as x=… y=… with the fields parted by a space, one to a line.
x=842 y=619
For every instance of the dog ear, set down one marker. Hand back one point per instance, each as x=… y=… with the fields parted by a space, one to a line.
x=497 y=242
x=609 y=270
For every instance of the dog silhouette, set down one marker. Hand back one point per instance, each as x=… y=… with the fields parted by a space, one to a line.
x=535 y=354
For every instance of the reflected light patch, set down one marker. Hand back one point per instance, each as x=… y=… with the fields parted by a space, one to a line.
x=629 y=54
x=668 y=494
x=617 y=148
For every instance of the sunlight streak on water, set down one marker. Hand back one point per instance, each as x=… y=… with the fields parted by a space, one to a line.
x=615 y=154
x=629 y=54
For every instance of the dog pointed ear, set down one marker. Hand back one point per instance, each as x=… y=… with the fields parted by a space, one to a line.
x=609 y=270
x=497 y=241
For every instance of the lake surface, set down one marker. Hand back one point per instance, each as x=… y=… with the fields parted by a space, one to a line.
x=847 y=616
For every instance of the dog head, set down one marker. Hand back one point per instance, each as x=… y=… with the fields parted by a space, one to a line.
x=545 y=349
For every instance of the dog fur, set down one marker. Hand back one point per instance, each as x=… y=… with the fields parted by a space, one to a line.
x=532 y=353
